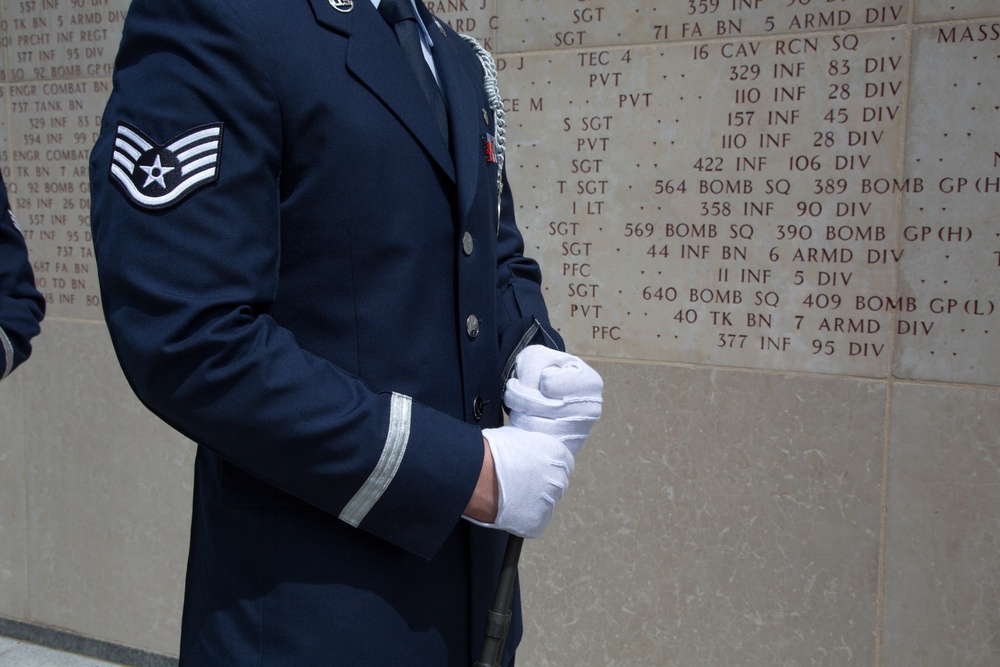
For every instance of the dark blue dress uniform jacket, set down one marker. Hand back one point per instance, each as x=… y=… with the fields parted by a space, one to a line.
x=280 y=231
x=21 y=306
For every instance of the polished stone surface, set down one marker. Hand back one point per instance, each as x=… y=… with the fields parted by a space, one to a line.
x=717 y=518
x=942 y=589
x=528 y=25
x=13 y=500
x=951 y=268
x=942 y=10
x=637 y=268
x=109 y=490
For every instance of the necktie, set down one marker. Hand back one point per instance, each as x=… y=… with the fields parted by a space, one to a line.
x=399 y=14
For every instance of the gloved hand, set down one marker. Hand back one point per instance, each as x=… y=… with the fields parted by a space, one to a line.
x=532 y=471
x=554 y=393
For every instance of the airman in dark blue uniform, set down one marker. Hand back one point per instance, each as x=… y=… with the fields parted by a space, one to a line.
x=302 y=274
x=21 y=306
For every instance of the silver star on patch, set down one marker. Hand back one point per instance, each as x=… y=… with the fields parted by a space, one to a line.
x=155 y=173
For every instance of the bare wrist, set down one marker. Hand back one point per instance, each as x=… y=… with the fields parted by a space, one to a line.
x=483 y=505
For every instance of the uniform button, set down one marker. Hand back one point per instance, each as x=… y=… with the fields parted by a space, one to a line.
x=467 y=243
x=472 y=326
x=477 y=408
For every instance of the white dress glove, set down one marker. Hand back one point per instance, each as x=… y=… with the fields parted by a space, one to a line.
x=532 y=471
x=554 y=393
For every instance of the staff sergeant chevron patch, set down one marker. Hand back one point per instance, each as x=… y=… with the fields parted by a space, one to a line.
x=154 y=176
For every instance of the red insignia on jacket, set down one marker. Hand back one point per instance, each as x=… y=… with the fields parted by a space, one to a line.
x=489 y=148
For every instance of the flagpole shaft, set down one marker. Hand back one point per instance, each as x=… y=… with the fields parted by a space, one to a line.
x=498 y=618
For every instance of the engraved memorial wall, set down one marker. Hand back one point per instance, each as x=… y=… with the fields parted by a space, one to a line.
x=772 y=226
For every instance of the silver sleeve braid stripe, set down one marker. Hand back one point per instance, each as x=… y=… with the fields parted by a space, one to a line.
x=400 y=411
x=496 y=104
x=8 y=355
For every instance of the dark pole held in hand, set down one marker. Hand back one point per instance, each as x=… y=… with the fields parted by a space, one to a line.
x=498 y=617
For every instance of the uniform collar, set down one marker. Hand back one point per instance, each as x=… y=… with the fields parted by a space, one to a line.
x=372 y=61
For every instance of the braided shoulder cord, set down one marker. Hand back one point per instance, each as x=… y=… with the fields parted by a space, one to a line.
x=496 y=104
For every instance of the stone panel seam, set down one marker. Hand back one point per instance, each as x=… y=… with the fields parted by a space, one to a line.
x=946 y=384
x=890 y=385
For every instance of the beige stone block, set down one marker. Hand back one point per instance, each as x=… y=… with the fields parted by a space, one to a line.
x=109 y=490
x=715 y=518
x=4 y=163
x=52 y=130
x=942 y=607
x=468 y=17
x=60 y=40
x=4 y=152
x=527 y=25
x=13 y=524
x=710 y=204
x=13 y=500
x=942 y=10
x=948 y=327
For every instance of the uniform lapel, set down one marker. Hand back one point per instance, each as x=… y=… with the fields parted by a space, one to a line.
x=464 y=114
x=374 y=57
